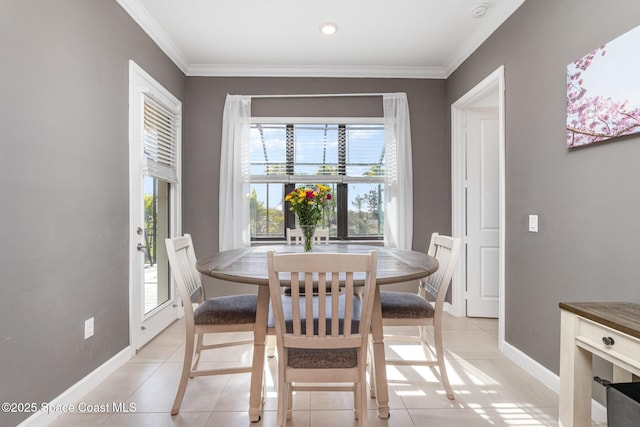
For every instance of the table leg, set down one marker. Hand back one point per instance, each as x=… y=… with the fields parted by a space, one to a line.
x=379 y=364
x=575 y=377
x=256 y=397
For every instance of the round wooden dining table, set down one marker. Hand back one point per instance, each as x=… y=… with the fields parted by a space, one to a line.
x=249 y=265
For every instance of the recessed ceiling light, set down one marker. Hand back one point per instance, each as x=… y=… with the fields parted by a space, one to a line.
x=328 y=28
x=479 y=10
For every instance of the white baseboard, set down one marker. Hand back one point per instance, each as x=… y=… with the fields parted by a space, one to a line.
x=548 y=378
x=79 y=389
x=448 y=308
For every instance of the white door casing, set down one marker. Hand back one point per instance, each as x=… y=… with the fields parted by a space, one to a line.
x=483 y=216
x=144 y=325
x=494 y=83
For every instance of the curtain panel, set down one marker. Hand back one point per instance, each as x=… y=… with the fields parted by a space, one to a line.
x=234 y=174
x=398 y=221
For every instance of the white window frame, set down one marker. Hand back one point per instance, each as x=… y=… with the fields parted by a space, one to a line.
x=318 y=179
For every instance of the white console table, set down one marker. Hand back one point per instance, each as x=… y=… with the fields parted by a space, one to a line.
x=609 y=330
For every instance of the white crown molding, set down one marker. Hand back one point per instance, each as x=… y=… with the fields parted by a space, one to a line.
x=153 y=30
x=480 y=35
x=158 y=35
x=236 y=70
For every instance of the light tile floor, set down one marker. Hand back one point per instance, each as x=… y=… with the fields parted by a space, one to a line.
x=490 y=389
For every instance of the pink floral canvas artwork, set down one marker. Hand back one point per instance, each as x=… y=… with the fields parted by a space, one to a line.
x=603 y=92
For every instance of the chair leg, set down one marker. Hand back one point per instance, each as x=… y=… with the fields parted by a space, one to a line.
x=186 y=372
x=196 y=357
x=437 y=337
x=372 y=375
x=362 y=411
x=290 y=402
x=283 y=394
x=356 y=401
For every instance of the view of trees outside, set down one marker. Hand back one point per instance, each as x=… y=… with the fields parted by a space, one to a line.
x=365 y=213
x=316 y=153
x=266 y=220
x=150 y=218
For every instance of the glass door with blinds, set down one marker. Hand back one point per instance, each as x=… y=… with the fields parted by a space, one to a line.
x=155 y=117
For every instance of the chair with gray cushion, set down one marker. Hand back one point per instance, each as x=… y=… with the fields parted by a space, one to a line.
x=322 y=339
x=423 y=309
x=295 y=236
x=223 y=314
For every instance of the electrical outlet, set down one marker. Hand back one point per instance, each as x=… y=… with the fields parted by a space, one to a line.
x=88 y=328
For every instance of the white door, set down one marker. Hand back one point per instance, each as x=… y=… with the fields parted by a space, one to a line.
x=483 y=214
x=154 y=141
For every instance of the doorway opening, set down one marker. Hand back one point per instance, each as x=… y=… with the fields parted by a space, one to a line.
x=154 y=204
x=477 y=209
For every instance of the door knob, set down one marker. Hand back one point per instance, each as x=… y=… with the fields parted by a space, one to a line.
x=140 y=247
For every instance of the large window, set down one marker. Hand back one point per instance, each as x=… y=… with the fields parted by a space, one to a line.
x=349 y=157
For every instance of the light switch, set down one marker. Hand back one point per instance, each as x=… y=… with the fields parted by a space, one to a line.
x=533 y=223
x=88 y=328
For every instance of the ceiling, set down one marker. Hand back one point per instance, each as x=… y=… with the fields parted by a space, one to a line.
x=375 y=38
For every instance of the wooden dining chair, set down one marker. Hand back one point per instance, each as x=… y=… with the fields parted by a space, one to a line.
x=216 y=315
x=414 y=309
x=323 y=338
x=295 y=236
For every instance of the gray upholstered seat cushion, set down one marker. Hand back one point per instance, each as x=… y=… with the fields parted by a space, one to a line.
x=322 y=359
x=229 y=310
x=405 y=305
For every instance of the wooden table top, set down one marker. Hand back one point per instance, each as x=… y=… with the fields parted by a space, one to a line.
x=621 y=316
x=249 y=265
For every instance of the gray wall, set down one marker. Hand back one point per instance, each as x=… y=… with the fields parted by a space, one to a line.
x=205 y=98
x=64 y=189
x=587 y=199
x=64 y=175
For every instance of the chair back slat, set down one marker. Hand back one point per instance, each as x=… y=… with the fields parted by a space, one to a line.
x=322 y=305
x=295 y=305
x=335 y=303
x=308 y=290
x=182 y=261
x=348 y=293
x=446 y=250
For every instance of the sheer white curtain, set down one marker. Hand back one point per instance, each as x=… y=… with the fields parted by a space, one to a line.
x=398 y=221
x=234 y=173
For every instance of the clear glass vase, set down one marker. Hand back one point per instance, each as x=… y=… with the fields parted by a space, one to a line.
x=307 y=236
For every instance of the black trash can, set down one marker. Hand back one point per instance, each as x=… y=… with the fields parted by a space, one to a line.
x=623 y=403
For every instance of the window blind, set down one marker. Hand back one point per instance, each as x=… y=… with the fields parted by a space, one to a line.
x=317 y=152
x=160 y=140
